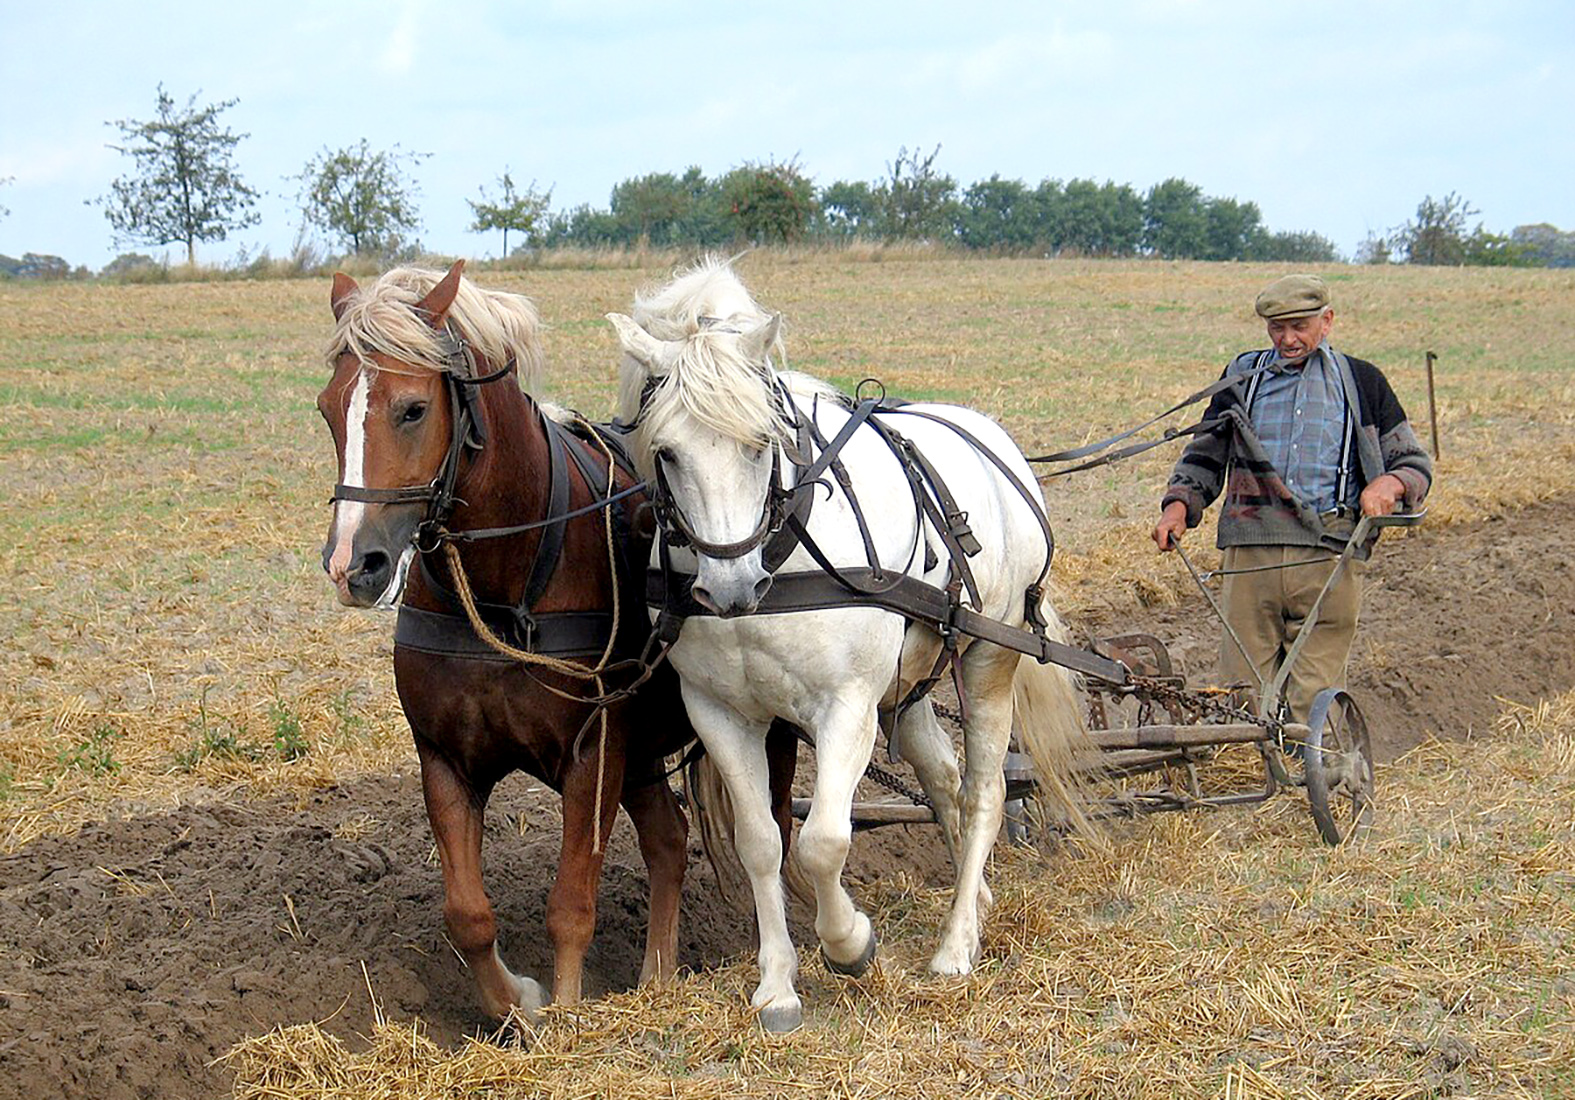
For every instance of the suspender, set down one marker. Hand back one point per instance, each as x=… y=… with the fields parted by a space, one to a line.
x=1342 y=486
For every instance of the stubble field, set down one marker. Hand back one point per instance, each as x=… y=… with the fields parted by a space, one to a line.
x=178 y=678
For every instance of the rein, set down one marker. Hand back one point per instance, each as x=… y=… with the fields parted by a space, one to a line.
x=1207 y=424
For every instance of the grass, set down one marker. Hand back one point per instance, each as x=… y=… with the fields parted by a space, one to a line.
x=1203 y=955
x=163 y=504
x=169 y=629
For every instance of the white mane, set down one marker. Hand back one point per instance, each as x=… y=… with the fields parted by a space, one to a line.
x=711 y=378
x=380 y=320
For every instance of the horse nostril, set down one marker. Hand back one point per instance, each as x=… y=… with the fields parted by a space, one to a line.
x=762 y=586
x=371 y=570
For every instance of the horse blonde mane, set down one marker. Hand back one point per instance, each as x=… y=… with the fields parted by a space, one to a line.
x=711 y=378
x=381 y=320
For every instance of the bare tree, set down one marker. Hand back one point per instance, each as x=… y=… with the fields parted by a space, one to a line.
x=1438 y=235
x=517 y=210
x=917 y=201
x=184 y=187
x=362 y=197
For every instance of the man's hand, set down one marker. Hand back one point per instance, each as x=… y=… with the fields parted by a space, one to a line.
x=1382 y=495
x=1172 y=525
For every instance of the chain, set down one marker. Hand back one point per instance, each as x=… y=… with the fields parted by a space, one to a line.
x=1157 y=689
x=1212 y=704
x=892 y=782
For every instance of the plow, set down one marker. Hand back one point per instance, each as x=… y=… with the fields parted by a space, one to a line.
x=1155 y=738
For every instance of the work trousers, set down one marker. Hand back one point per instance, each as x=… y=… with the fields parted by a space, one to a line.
x=1268 y=611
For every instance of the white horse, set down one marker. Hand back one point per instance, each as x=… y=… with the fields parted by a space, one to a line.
x=708 y=411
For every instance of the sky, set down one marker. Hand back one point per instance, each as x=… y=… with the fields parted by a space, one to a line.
x=1336 y=117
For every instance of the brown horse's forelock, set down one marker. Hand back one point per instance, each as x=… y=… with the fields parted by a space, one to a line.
x=381 y=321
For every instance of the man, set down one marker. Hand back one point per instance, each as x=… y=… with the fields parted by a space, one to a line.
x=1304 y=447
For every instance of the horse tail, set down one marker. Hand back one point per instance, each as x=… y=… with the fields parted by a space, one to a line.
x=713 y=811
x=1048 y=708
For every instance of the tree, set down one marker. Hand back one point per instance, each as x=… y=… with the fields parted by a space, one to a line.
x=997 y=213
x=184 y=187
x=1175 y=220
x=520 y=211
x=1375 y=249
x=362 y=197
x=770 y=201
x=651 y=205
x=849 y=208
x=1438 y=235
x=1484 y=249
x=1096 y=219
x=1231 y=229
x=916 y=201
x=1546 y=245
x=1304 y=247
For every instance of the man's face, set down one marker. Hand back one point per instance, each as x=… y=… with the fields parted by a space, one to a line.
x=1295 y=338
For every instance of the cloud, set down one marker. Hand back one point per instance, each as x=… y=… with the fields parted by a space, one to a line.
x=399 y=55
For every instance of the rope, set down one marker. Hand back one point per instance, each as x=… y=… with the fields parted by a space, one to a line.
x=467 y=600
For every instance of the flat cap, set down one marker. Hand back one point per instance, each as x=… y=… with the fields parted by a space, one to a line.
x=1293 y=296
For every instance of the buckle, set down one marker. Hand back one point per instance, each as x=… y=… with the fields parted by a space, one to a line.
x=525 y=629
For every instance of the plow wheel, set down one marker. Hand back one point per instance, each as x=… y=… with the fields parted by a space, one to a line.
x=1339 y=767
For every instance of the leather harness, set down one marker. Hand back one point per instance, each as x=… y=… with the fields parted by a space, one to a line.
x=784 y=527
x=558 y=634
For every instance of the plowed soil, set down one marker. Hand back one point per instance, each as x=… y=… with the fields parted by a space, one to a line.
x=137 y=951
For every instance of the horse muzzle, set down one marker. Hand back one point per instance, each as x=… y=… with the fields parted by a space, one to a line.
x=368 y=564
x=732 y=588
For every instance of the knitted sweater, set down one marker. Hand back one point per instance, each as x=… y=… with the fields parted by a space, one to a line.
x=1259 y=510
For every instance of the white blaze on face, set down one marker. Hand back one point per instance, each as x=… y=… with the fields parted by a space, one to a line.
x=349 y=513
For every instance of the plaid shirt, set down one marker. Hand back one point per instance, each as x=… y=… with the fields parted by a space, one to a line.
x=1299 y=415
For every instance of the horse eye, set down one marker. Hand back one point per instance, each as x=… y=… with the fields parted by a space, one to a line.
x=665 y=455
x=414 y=412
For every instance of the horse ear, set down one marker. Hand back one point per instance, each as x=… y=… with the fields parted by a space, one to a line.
x=759 y=340
x=640 y=345
x=339 y=297
x=438 y=300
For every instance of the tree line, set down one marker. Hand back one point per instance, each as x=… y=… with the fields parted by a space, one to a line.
x=776 y=203
x=183 y=187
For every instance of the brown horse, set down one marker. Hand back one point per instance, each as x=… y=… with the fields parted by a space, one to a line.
x=435 y=439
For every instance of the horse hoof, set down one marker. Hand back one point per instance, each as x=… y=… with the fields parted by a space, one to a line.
x=778 y=1019
x=953 y=964
x=858 y=966
x=530 y=997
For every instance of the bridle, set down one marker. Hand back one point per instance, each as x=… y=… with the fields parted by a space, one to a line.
x=774 y=510
x=467 y=432
x=679 y=532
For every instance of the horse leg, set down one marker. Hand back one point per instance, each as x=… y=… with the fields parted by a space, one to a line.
x=571 y=904
x=987 y=678
x=928 y=748
x=455 y=810
x=842 y=749
x=663 y=832
x=738 y=749
x=782 y=763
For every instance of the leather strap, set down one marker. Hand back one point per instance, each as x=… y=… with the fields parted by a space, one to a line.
x=550 y=549
x=907 y=596
x=557 y=634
